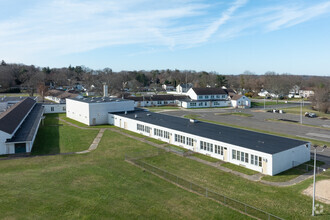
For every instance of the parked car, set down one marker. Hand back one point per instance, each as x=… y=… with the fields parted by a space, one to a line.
x=310 y=115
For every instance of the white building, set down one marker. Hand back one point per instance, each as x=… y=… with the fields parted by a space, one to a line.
x=6 y=102
x=168 y=87
x=155 y=100
x=94 y=111
x=19 y=126
x=59 y=96
x=54 y=108
x=183 y=88
x=240 y=101
x=213 y=97
x=264 y=153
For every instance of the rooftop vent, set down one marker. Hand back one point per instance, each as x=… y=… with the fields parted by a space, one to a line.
x=125 y=112
x=262 y=142
x=135 y=115
x=193 y=120
x=148 y=114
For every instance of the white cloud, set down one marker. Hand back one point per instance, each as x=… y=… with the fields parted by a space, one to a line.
x=62 y=27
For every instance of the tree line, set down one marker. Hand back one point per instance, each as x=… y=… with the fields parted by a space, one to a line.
x=14 y=77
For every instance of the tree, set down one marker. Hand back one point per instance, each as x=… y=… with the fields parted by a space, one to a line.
x=221 y=81
x=278 y=84
x=321 y=99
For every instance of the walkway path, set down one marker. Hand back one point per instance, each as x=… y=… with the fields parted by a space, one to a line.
x=95 y=143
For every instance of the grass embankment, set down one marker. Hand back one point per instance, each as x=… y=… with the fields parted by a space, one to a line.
x=286 y=202
x=236 y=114
x=205 y=157
x=294 y=172
x=313 y=141
x=58 y=137
x=97 y=185
x=296 y=111
x=239 y=169
x=254 y=104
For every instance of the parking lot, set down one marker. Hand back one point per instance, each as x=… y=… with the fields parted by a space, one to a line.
x=319 y=129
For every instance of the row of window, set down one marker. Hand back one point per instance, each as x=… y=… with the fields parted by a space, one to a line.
x=161 y=133
x=244 y=157
x=206 y=146
x=180 y=138
x=212 y=96
x=143 y=128
x=218 y=149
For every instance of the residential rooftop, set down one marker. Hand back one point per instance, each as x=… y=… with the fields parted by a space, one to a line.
x=99 y=99
x=266 y=143
x=209 y=91
x=10 y=119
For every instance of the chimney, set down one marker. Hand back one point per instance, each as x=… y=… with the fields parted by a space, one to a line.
x=105 y=90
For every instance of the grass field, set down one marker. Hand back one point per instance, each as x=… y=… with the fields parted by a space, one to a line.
x=153 y=140
x=57 y=137
x=16 y=94
x=253 y=104
x=239 y=169
x=296 y=110
x=286 y=202
x=313 y=141
x=97 y=185
x=204 y=157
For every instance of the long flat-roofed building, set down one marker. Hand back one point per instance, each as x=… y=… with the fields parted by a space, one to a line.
x=19 y=126
x=264 y=153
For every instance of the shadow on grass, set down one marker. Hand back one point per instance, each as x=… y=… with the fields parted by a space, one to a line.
x=47 y=140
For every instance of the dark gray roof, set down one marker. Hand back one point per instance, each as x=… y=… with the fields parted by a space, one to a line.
x=99 y=99
x=204 y=100
x=270 y=144
x=29 y=127
x=10 y=119
x=186 y=85
x=13 y=99
x=209 y=91
x=156 y=98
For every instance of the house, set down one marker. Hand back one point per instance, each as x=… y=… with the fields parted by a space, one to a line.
x=306 y=92
x=59 y=96
x=167 y=87
x=183 y=88
x=6 y=102
x=240 y=101
x=267 y=154
x=155 y=100
x=206 y=98
x=94 y=111
x=19 y=126
x=54 y=107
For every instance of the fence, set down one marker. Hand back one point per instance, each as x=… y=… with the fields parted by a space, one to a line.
x=232 y=203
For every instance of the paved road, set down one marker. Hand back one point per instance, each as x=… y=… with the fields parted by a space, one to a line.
x=259 y=121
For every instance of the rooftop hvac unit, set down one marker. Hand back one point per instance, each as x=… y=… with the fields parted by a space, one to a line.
x=148 y=114
x=135 y=116
x=193 y=120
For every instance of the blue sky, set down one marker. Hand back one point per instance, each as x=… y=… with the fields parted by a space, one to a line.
x=228 y=37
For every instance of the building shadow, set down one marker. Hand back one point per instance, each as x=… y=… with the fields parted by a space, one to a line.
x=48 y=137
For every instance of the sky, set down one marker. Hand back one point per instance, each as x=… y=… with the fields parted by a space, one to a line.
x=225 y=36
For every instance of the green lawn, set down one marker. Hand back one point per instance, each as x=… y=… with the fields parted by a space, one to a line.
x=296 y=110
x=16 y=94
x=177 y=148
x=131 y=133
x=57 y=137
x=236 y=114
x=97 y=185
x=153 y=140
x=205 y=157
x=293 y=173
x=239 y=169
x=253 y=104
x=285 y=202
x=313 y=141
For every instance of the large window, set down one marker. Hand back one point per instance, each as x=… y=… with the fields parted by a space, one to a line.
x=180 y=138
x=219 y=150
x=241 y=156
x=143 y=128
x=166 y=134
x=193 y=104
x=200 y=104
x=256 y=160
x=206 y=146
x=190 y=141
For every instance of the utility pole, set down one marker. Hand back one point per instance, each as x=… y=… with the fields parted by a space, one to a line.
x=301 y=112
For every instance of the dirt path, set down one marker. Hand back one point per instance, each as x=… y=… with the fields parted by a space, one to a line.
x=322 y=191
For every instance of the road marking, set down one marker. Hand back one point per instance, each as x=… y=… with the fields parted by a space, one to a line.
x=319 y=135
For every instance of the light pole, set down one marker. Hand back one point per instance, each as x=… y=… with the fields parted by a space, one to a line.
x=301 y=112
x=315 y=146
